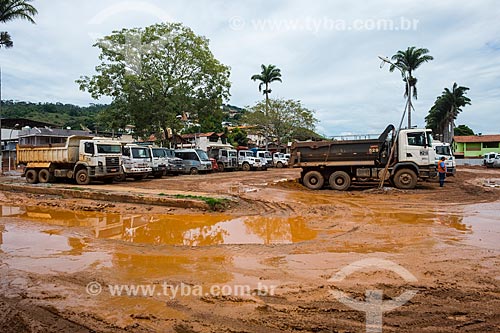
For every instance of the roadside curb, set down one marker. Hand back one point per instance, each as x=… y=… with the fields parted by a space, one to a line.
x=108 y=196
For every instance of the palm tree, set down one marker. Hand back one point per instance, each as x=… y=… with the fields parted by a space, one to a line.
x=269 y=74
x=446 y=109
x=11 y=10
x=408 y=61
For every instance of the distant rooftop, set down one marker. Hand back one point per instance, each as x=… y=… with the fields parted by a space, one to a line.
x=477 y=138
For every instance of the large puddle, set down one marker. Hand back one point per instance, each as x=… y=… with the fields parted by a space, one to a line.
x=182 y=230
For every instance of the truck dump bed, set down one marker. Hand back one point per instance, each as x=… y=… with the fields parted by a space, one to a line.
x=67 y=153
x=367 y=151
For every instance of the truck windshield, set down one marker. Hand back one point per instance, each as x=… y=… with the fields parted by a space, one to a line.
x=443 y=150
x=109 y=149
x=140 y=153
x=158 y=152
x=203 y=156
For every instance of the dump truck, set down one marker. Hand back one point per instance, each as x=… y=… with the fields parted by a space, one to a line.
x=338 y=163
x=81 y=158
x=225 y=156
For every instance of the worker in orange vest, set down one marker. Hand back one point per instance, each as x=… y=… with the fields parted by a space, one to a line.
x=442 y=171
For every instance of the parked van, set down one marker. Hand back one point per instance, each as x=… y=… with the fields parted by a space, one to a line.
x=175 y=165
x=195 y=160
x=489 y=158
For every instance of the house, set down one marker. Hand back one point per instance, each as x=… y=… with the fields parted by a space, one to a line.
x=202 y=140
x=475 y=146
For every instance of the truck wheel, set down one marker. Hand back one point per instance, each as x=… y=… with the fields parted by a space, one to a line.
x=44 y=176
x=405 y=179
x=193 y=171
x=313 y=180
x=120 y=178
x=158 y=175
x=31 y=176
x=340 y=181
x=82 y=177
x=279 y=165
x=220 y=167
x=245 y=167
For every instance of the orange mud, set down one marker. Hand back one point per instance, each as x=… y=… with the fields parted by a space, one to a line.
x=265 y=264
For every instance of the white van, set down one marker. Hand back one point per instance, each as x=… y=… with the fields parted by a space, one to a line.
x=489 y=158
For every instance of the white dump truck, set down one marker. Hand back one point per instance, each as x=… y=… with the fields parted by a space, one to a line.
x=81 y=158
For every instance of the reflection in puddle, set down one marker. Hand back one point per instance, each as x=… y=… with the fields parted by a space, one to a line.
x=484 y=221
x=182 y=230
x=33 y=249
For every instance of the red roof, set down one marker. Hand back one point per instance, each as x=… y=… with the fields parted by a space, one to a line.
x=477 y=138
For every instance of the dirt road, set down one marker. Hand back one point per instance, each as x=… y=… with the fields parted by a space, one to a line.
x=280 y=258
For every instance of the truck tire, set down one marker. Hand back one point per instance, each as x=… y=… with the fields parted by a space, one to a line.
x=245 y=167
x=121 y=177
x=44 y=176
x=340 y=181
x=405 y=179
x=193 y=171
x=279 y=165
x=220 y=167
x=82 y=177
x=31 y=176
x=313 y=180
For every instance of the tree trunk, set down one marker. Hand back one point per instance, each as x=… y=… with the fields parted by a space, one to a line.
x=267 y=99
x=409 y=105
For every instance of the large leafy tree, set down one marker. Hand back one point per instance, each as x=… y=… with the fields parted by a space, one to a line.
x=444 y=112
x=12 y=10
x=408 y=61
x=285 y=117
x=156 y=74
x=268 y=75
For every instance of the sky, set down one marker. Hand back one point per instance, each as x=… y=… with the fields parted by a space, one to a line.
x=327 y=51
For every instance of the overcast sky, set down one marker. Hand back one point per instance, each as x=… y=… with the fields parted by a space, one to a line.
x=327 y=51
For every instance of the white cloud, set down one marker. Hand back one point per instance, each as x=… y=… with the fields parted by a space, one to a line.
x=329 y=67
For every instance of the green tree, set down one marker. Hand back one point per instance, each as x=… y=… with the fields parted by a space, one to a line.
x=463 y=130
x=408 y=61
x=441 y=117
x=268 y=75
x=285 y=117
x=157 y=73
x=12 y=10
x=238 y=137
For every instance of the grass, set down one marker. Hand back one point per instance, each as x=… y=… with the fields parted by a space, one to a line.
x=214 y=203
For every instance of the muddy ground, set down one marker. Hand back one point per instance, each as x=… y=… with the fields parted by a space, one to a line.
x=270 y=260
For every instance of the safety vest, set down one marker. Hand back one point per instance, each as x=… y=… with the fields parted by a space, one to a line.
x=441 y=167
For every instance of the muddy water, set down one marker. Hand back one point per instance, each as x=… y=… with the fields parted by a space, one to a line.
x=44 y=239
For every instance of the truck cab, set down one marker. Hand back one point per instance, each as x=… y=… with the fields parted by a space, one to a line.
x=247 y=161
x=444 y=150
x=159 y=162
x=280 y=160
x=265 y=157
x=415 y=148
x=136 y=162
x=226 y=157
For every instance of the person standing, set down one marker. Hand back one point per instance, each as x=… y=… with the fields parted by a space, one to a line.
x=442 y=171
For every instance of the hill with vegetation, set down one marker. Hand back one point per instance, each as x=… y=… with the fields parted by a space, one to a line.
x=61 y=115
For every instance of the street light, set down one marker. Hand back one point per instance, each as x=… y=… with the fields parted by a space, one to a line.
x=8 y=142
x=407 y=107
